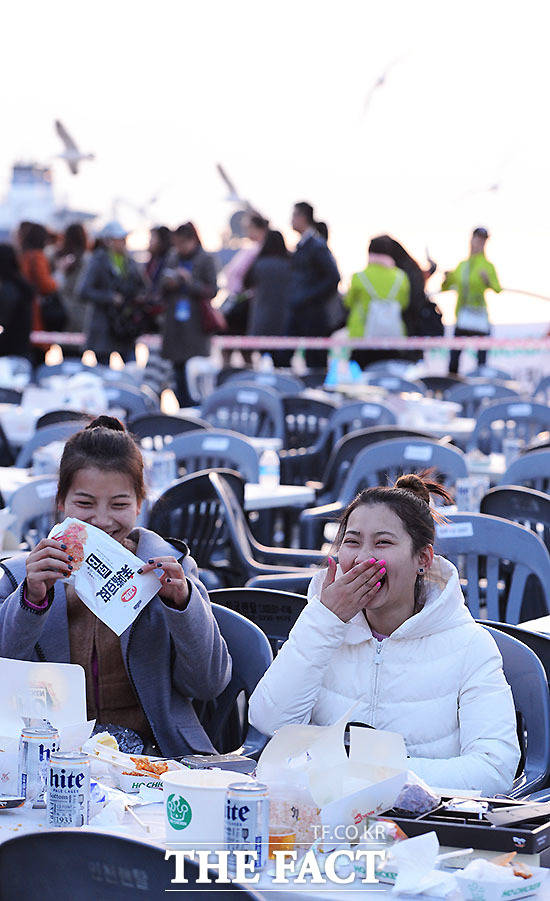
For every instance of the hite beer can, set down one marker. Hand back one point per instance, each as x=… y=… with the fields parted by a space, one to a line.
x=69 y=790
x=35 y=748
x=246 y=821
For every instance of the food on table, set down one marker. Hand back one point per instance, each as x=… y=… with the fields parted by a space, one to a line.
x=507 y=860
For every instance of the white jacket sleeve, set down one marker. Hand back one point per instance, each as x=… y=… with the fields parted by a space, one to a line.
x=489 y=749
x=289 y=689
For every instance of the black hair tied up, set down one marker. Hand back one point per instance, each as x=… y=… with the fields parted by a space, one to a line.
x=106 y=422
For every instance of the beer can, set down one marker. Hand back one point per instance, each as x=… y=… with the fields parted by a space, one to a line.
x=246 y=821
x=69 y=789
x=35 y=748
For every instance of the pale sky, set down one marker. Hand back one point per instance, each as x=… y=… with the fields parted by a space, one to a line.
x=162 y=91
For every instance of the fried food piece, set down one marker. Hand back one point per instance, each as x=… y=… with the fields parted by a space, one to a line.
x=521 y=870
x=144 y=765
x=504 y=860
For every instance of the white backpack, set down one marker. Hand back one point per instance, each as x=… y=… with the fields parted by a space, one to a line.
x=383 y=318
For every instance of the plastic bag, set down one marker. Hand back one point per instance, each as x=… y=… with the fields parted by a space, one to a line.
x=105 y=574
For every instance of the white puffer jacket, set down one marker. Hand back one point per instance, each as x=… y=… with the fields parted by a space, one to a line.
x=437 y=680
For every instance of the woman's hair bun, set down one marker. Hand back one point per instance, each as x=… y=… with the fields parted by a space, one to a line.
x=107 y=422
x=414 y=483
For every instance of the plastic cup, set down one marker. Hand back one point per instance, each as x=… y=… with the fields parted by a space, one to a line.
x=282 y=837
x=194 y=806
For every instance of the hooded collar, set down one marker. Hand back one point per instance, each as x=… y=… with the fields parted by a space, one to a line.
x=444 y=608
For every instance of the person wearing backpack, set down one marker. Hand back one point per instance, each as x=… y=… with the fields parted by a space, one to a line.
x=376 y=300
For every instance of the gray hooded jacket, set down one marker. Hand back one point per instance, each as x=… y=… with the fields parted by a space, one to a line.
x=171 y=656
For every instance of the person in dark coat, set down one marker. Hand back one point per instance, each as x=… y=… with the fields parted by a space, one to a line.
x=418 y=277
x=16 y=296
x=111 y=284
x=314 y=280
x=189 y=278
x=268 y=281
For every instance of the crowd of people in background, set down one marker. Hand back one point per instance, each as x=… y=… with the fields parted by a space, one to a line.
x=67 y=283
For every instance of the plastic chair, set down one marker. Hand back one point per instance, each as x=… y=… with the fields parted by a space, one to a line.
x=33 y=506
x=200 y=373
x=54 y=416
x=226 y=718
x=60 y=431
x=531 y=469
x=297 y=467
x=248 y=409
x=527 y=678
x=395 y=383
x=88 y=866
x=6 y=453
x=537 y=641
x=132 y=400
x=279 y=381
x=205 y=510
x=517 y=418
x=488 y=372
x=216 y=449
x=20 y=366
x=306 y=419
x=291 y=583
x=67 y=367
x=381 y=464
x=526 y=506
x=500 y=555
x=274 y=612
x=388 y=367
x=10 y=396
x=473 y=397
x=161 y=428
x=436 y=385
x=542 y=390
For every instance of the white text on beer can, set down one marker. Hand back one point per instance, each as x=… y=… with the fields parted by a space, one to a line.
x=246 y=821
x=69 y=790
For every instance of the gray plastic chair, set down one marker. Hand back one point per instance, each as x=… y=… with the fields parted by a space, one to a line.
x=519 y=504
x=251 y=410
x=134 y=401
x=531 y=469
x=488 y=372
x=279 y=381
x=395 y=383
x=160 y=428
x=274 y=612
x=105 y=867
x=215 y=449
x=306 y=420
x=33 y=506
x=500 y=555
x=381 y=464
x=542 y=390
x=474 y=397
x=518 y=418
x=526 y=676
x=227 y=719
x=60 y=431
x=359 y=415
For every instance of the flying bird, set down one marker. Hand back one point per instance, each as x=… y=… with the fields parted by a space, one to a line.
x=72 y=155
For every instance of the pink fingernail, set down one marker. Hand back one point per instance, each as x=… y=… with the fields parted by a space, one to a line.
x=382 y=562
x=382 y=571
x=378 y=584
x=372 y=560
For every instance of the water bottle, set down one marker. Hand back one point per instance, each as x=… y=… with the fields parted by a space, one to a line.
x=270 y=469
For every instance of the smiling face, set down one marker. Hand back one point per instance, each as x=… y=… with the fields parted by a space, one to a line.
x=105 y=499
x=376 y=531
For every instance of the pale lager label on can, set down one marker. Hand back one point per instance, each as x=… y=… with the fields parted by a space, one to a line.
x=69 y=790
x=246 y=821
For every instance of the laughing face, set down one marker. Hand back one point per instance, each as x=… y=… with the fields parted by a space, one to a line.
x=104 y=498
x=376 y=531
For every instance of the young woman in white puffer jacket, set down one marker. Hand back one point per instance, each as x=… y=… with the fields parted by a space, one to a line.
x=388 y=626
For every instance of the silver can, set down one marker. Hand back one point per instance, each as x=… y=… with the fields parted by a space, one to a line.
x=69 y=790
x=246 y=821
x=35 y=748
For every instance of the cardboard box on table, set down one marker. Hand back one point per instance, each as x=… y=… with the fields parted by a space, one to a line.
x=347 y=790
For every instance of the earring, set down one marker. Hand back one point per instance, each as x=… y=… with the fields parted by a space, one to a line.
x=420 y=570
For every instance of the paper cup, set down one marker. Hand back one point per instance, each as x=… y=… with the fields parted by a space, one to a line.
x=194 y=804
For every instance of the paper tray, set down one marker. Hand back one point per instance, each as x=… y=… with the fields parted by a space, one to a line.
x=458 y=829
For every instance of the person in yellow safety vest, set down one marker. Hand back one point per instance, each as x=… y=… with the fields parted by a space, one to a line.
x=470 y=279
x=376 y=299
